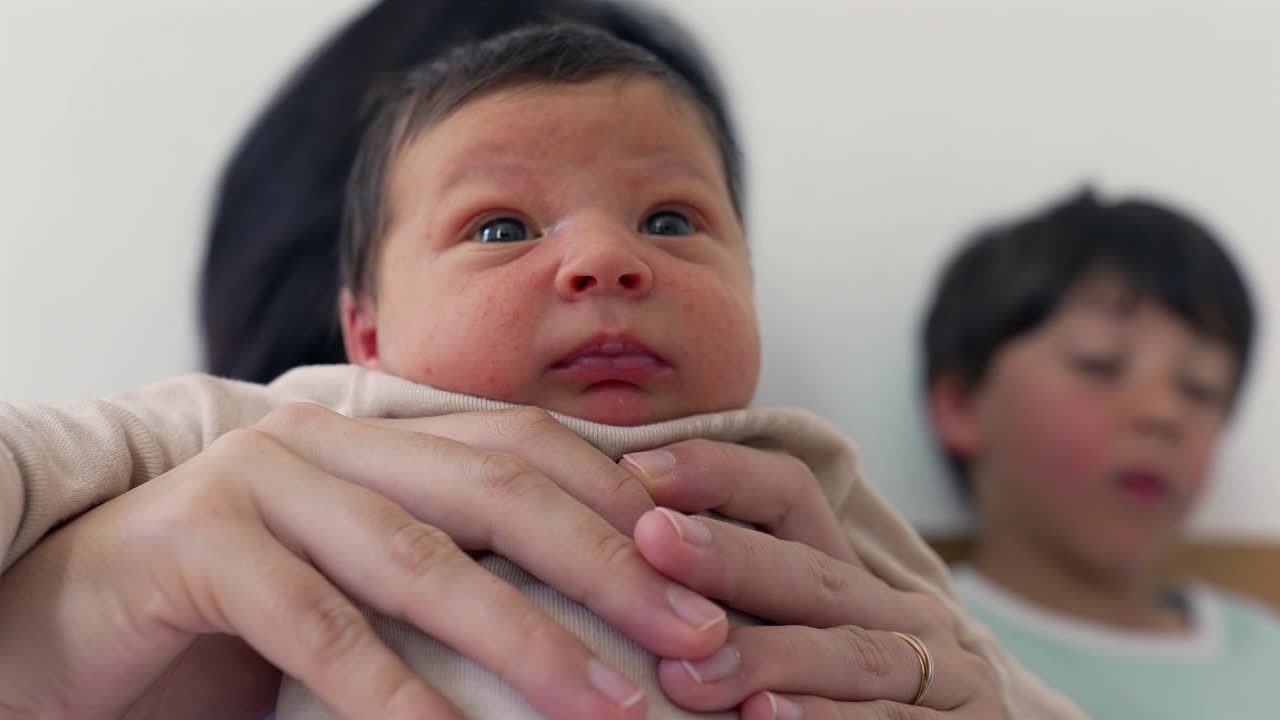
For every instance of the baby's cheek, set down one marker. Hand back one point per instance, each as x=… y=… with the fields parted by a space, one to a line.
x=480 y=366
x=511 y=318
x=494 y=364
x=476 y=345
x=498 y=387
x=722 y=341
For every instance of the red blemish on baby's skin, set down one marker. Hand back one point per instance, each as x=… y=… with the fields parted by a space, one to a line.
x=688 y=306
x=513 y=318
x=492 y=386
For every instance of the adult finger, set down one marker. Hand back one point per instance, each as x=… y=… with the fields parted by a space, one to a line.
x=846 y=663
x=779 y=706
x=536 y=436
x=845 y=607
x=783 y=581
x=289 y=613
x=772 y=490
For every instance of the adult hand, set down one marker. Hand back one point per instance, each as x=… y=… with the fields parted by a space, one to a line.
x=265 y=535
x=833 y=653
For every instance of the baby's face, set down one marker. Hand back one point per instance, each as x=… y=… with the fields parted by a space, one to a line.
x=568 y=246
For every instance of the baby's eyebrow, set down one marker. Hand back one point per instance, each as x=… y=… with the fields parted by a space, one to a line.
x=667 y=164
x=489 y=170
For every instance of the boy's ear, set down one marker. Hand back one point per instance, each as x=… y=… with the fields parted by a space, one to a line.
x=359 y=329
x=953 y=413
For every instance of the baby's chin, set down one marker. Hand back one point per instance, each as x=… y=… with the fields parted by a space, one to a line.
x=619 y=404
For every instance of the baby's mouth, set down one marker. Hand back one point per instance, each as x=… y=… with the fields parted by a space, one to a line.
x=610 y=359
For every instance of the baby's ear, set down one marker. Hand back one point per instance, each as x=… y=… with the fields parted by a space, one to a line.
x=359 y=329
x=953 y=414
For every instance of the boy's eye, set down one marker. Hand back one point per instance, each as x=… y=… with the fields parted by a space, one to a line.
x=503 y=230
x=1102 y=367
x=667 y=222
x=1203 y=393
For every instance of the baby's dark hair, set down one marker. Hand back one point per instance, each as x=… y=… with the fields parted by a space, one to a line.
x=1009 y=278
x=543 y=55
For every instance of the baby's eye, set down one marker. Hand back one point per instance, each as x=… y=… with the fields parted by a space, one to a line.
x=667 y=222
x=503 y=230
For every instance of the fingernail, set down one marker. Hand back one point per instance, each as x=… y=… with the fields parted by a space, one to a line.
x=715 y=668
x=689 y=530
x=693 y=608
x=651 y=463
x=613 y=684
x=784 y=709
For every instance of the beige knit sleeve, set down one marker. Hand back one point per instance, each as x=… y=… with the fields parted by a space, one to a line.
x=60 y=460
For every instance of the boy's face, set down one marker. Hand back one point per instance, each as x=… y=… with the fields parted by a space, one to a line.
x=1092 y=436
x=568 y=246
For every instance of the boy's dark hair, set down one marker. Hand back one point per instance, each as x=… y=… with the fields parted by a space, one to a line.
x=268 y=284
x=563 y=53
x=1009 y=278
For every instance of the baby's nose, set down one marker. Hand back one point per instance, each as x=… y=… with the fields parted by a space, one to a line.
x=603 y=267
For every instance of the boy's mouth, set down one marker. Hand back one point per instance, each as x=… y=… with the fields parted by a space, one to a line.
x=610 y=358
x=1146 y=486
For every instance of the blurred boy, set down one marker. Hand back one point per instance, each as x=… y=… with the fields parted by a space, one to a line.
x=1081 y=365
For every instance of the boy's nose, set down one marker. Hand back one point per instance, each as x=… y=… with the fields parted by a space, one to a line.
x=1159 y=409
x=603 y=266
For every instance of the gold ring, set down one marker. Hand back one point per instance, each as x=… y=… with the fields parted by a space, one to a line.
x=926 y=664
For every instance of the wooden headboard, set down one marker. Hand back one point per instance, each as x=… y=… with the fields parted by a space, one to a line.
x=1250 y=568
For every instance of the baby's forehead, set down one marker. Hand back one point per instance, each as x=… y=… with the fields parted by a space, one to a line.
x=494 y=116
x=636 y=124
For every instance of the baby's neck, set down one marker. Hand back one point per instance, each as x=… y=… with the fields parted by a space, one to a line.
x=1050 y=581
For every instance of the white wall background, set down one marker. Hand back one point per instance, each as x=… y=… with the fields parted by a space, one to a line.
x=878 y=132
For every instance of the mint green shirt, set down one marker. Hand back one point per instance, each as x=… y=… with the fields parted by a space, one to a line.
x=1227 y=666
